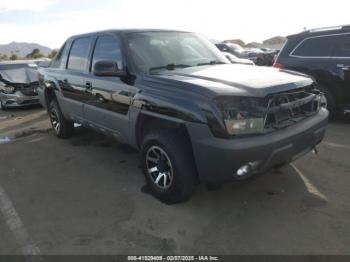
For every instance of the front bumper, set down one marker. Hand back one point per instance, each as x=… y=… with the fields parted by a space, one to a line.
x=18 y=99
x=219 y=159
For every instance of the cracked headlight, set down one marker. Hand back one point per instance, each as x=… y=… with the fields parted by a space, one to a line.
x=243 y=115
x=245 y=126
x=6 y=89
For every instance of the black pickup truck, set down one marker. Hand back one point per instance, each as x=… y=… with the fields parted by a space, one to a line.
x=193 y=115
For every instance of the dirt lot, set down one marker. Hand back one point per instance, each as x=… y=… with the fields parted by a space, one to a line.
x=86 y=195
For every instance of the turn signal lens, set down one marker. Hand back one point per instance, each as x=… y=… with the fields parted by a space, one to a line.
x=245 y=126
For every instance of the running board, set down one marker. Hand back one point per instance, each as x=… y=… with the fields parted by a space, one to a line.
x=347 y=111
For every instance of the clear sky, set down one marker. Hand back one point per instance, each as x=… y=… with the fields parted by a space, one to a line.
x=50 y=22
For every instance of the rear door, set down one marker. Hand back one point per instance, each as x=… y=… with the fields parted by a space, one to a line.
x=72 y=81
x=312 y=56
x=341 y=67
x=109 y=97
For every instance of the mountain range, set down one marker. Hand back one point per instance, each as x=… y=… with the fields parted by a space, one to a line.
x=22 y=49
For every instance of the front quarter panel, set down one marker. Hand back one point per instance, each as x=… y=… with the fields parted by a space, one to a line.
x=172 y=101
x=50 y=83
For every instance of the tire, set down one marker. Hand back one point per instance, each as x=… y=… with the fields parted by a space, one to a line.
x=2 y=107
x=63 y=128
x=329 y=100
x=169 y=153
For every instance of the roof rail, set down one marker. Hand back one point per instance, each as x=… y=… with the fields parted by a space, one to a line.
x=329 y=28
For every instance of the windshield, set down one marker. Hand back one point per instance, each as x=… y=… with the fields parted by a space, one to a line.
x=153 y=51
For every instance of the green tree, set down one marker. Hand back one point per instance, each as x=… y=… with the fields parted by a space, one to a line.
x=53 y=53
x=13 y=56
x=3 y=57
x=35 y=54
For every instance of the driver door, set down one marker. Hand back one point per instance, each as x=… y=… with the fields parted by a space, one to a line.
x=109 y=99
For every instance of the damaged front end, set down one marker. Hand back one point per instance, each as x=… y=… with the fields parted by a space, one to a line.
x=252 y=116
x=18 y=87
x=288 y=108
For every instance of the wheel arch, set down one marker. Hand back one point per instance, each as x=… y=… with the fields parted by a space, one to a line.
x=147 y=123
x=50 y=95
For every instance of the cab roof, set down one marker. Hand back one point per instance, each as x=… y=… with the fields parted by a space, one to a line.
x=125 y=31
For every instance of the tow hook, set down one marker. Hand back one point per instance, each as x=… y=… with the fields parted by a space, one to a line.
x=314 y=150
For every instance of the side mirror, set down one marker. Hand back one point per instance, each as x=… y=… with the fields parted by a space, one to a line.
x=108 y=68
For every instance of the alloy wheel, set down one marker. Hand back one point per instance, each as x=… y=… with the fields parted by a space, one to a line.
x=159 y=167
x=55 y=120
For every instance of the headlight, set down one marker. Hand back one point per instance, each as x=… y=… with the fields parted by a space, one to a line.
x=245 y=126
x=6 y=89
x=242 y=115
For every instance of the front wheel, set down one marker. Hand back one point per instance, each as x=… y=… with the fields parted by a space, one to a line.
x=2 y=107
x=168 y=165
x=63 y=128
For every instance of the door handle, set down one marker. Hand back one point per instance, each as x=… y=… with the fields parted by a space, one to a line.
x=88 y=85
x=344 y=67
x=65 y=83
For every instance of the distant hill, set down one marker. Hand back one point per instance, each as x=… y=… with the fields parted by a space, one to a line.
x=235 y=41
x=275 y=42
x=23 y=49
x=254 y=45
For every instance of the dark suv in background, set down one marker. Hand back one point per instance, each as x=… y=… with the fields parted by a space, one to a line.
x=324 y=54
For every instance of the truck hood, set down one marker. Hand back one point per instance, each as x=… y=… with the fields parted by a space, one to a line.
x=234 y=79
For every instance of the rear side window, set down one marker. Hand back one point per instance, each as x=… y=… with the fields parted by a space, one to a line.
x=315 y=47
x=342 y=46
x=78 y=57
x=107 y=48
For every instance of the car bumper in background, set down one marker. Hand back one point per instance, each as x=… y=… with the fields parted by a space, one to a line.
x=18 y=99
x=222 y=159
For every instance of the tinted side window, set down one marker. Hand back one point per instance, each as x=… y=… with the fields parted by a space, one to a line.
x=342 y=46
x=315 y=47
x=78 y=56
x=107 y=48
x=63 y=52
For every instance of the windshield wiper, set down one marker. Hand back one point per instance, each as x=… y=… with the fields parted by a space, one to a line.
x=169 y=67
x=213 y=62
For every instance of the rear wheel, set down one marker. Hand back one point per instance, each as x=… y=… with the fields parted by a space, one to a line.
x=63 y=128
x=168 y=166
